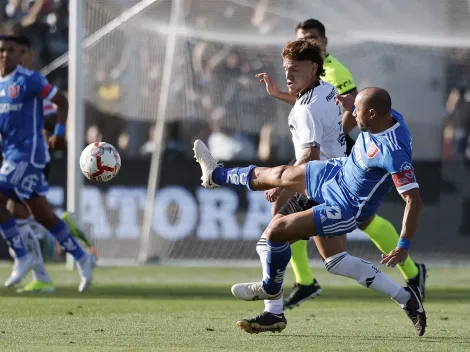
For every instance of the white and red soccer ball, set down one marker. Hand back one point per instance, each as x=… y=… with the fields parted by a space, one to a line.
x=100 y=162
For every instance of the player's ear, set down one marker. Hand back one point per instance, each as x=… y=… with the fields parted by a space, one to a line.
x=315 y=68
x=326 y=42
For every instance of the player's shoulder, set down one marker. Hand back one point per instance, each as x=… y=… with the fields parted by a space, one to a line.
x=398 y=137
x=320 y=93
x=25 y=72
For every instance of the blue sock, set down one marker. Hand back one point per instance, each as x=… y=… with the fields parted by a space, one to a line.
x=278 y=257
x=237 y=176
x=62 y=234
x=11 y=234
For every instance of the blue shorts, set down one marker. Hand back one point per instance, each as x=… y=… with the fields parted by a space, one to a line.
x=22 y=180
x=333 y=216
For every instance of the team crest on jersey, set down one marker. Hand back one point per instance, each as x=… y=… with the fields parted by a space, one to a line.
x=372 y=150
x=14 y=91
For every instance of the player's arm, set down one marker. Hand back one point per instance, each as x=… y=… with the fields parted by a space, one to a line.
x=412 y=200
x=348 y=120
x=398 y=164
x=273 y=90
x=310 y=129
x=46 y=91
x=344 y=83
x=62 y=103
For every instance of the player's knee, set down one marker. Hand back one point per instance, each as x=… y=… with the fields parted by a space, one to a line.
x=273 y=231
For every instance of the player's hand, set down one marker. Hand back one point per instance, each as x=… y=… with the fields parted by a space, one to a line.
x=57 y=142
x=397 y=256
x=273 y=194
x=271 y=86
x=346 y=100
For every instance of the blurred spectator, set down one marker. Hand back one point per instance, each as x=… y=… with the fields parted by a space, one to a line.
x=93 y=135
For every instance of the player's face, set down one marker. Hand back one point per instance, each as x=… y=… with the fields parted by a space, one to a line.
x=9 y=55
x=315 y=35
x=300 y=75
x=362 y=114
x=26 y=56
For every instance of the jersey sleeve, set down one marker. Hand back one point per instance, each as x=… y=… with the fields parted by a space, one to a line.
x=40 y=87
x=338 y=75
x=344 y=81
x=398 y=164
x=310 y=130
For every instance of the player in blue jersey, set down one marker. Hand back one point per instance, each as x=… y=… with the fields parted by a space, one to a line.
x=24 y=158
x=349 y=191
x=30 y=229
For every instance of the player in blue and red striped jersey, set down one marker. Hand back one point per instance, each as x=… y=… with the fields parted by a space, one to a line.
x=24 y=158
x=348 y=191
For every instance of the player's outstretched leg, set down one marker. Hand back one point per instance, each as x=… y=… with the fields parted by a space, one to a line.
x=339 y=262
x=252 y=177
x=384 y=235
x=58 y=228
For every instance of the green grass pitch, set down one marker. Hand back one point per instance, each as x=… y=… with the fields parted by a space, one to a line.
x=157 y=308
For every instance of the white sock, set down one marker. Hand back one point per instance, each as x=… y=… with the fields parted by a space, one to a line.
x=274 y=306
x=367 y=275
x=32 y=245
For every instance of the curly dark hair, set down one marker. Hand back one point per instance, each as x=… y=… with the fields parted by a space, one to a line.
x=304 y=50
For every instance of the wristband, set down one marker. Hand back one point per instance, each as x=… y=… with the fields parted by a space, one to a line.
x=59 y=130
x=353 y=108
x=404 y=243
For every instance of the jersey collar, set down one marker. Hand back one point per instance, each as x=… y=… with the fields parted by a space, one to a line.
x=299 y=95
x=9 y=76
x=390 y=129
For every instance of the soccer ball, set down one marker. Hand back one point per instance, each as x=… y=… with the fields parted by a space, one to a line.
x=100 y=162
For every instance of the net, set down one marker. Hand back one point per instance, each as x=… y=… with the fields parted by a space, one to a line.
x=415 y=49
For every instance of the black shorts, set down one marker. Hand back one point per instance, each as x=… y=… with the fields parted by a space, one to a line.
x=297 y=203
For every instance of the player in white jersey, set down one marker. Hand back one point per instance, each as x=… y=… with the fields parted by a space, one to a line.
x=315 y=121
x=317 y=134
x=348 y=191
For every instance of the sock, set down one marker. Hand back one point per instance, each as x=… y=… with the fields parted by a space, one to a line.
x=237 y=176
x=274 y=306
x=385 y=237
x=299 y=262
x=62 y=234
x=11 y=234
x=278 y=257
x=367 y=275
x=32 y=244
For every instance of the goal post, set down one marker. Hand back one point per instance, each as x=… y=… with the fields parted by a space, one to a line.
x=76 y=118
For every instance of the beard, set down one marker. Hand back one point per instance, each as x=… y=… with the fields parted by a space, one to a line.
x=363 y=127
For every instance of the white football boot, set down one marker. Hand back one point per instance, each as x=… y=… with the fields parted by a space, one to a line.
x=20 y=268
x=253 y=291
x=85 y=270
x=207 y=162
